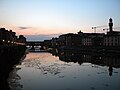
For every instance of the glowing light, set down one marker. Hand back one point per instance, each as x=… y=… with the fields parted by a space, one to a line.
x=3 y=40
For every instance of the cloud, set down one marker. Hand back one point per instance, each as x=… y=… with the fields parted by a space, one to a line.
x=21 y=27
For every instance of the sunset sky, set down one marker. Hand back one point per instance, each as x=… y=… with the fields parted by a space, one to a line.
x=43 y=19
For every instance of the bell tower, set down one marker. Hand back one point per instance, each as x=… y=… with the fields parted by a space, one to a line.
x=110 y=25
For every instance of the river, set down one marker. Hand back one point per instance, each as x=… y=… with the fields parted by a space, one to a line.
x=46 y=71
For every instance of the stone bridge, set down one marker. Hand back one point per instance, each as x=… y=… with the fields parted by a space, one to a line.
x=35 y=43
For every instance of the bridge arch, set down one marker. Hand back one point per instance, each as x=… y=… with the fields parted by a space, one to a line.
x=33 y=44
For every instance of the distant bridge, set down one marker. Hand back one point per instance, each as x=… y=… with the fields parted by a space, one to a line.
x=32 y=44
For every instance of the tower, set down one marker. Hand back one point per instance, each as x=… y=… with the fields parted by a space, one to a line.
x=110 y=25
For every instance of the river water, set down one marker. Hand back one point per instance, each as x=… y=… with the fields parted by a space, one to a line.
x=67 y=71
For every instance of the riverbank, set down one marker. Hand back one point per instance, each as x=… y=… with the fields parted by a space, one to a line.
x=10 y=55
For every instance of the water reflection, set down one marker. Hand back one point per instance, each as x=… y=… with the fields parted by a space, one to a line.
x=44 y=62
x=66 y=71
x=112 y=61
x=14 y=80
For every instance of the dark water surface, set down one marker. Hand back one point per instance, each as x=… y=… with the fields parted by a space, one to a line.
x=43 y=71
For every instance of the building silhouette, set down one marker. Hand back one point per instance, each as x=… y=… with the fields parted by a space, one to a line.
x=111 y=39
x=8 y=37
